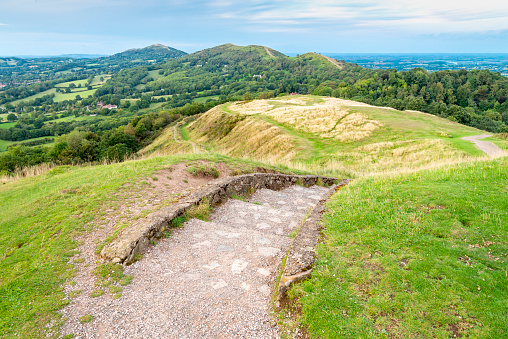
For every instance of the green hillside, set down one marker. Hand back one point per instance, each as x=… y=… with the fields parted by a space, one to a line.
x=419 y=255
x=325 y=135
x=153 y=54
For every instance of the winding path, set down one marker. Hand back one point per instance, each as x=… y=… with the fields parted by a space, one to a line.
x=488 y=147
x=208 y=279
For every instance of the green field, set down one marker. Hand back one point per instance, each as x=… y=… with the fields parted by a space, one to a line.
x=7 y=124
x=5 y=143
x=204 y=99
x=83 y=92
x=155 y=74
x=420 y=255
x=83 y=83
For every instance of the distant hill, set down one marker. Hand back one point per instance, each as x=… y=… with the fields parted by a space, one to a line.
x=228 y=49
x=227 y=70
x=152 y=54
x=65 y=56
x=23 y=71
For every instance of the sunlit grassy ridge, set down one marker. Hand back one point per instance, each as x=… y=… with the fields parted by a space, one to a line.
x=420 y=255
x=328 y=135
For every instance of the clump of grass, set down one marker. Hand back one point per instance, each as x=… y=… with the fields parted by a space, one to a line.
x=105 y=283
x=137 y=257
x=115 y=289
x=110 y=272
x=201 y=211
x=74 y=294
x=117 y=296
x=97 y=293
x=299 y=182
x=203 y=170
x=178 y=221
x=79 y=260
x=85 y=319
x=125 y=280
x=239 y=197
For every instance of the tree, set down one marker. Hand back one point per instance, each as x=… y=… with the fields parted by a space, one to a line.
x=39 y=122
x=11 y=117
x=247 y=96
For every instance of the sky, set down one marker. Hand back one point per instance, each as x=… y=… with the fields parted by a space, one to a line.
x=54 y=27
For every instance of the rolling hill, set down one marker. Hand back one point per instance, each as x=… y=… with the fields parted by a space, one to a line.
x=139 y=56
x=324 y=135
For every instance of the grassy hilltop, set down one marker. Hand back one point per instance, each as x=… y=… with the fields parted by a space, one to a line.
x=414 y=247
x=323 y=135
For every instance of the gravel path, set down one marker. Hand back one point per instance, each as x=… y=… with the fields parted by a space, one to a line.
x=488 y=147
x=209 y=279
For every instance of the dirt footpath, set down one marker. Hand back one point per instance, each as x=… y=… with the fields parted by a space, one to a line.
x=488 y=147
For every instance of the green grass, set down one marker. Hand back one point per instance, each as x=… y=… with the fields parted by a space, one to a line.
x=83 y=92
x=407 y=140
x=173 y=76
x=39 y=220
x=59 y=96
x=7 y=125
x=427 y=138
x=97 y=79
x=420 y=255
x=76 y=82
x=5 y=143
x=204 y=99
x=155 y=74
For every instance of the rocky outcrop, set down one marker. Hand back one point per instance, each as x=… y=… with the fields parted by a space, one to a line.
x=138 y=236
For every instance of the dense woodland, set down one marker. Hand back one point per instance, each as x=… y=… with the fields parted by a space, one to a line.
x=476 y=98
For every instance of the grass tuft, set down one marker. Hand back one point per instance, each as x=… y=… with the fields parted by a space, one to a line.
x=85 y=319
x=96 y=293
x=203 y=170
x=201 y=211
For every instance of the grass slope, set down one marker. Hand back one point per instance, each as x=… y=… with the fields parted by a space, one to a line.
x=420 y=255
x=330 y=136
x=39 y=220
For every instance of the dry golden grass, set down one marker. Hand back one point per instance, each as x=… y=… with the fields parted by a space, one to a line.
x=242 y=130
x=251 y=107
x=329 y=120
x=311 y=119
x=242 y=136
x=28 y=172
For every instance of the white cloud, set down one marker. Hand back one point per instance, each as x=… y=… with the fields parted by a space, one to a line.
x=430 y=16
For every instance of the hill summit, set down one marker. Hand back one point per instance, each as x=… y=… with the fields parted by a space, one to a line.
x=157 y=53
